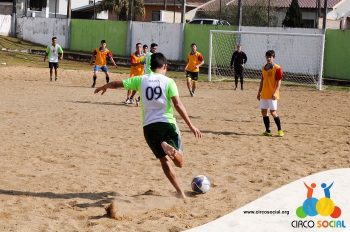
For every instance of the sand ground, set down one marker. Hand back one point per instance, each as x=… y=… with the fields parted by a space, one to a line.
x=66 y=153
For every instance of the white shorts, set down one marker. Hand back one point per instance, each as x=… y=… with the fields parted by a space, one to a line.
x=268 y=104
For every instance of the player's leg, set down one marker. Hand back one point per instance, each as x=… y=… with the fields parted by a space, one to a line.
x=175 y=155
x=56 y=67
x=241 y=78
x=105 y=70
x=276 y=118
x=50 y=67
x=189 y=82
x=236 y=78
x=264 y=108
x=94 y=77
x=194 y=77
x=165 y=142
x=171 y=175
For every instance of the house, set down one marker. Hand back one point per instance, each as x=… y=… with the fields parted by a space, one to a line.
x=339 y=17
x=167 y=10
x=48 y=8
x=277 y=9
x=6 y=7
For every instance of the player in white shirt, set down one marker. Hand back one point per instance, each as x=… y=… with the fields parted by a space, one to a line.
x=54 y=51
x=158 y=92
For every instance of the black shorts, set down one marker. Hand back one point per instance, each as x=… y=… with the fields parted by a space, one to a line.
x=159 y=132
x=192 y=75
x=53 y=65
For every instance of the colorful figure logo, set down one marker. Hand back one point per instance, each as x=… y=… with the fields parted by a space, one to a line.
x=323 y=206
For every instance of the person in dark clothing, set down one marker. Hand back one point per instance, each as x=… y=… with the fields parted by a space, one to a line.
x=239 y=58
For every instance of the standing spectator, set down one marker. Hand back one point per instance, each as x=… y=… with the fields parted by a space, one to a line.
x=239 y=58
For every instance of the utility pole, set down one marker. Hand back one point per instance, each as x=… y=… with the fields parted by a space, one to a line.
x=318 y=12
x=220 y=12
x=55 y=8
x=325 y=15
x=268 y=13
x=69 y=9
x=94 y=9
x=14 y=16
x=183 y=11
x=239 y=15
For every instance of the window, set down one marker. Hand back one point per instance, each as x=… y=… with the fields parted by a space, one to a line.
x=155 y=15
x=37 y=4
x=308 y=23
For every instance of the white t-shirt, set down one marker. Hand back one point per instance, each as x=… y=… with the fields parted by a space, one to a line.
x=53 y=51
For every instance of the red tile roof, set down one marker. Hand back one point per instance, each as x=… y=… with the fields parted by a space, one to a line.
x=286 y=3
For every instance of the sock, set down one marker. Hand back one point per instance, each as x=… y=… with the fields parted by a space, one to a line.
x=267 y=123
x=278 y=122
x=107 y=79
x=94 y=79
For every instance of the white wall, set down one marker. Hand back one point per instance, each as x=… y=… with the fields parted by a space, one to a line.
x=5 y=24
x=168 y=37
x=41 y=30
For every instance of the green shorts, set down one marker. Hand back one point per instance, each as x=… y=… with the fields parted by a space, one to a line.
x=159 y=132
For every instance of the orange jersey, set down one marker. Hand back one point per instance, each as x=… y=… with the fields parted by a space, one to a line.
x=101 y=56
x=193 y=60
x=137 y=67
x=270 y=78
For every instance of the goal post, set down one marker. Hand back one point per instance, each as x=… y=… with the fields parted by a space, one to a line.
x=300 y=55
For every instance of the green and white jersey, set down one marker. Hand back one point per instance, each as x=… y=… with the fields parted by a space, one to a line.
x=156 y=91
x=148 y=63
x=53 y=51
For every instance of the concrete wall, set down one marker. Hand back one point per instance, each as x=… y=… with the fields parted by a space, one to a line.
x=167 y=36
x=86 y=35
x=41 y=30
x=337 y=55
x=5 y=24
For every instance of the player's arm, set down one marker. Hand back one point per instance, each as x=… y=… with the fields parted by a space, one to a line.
x=46 y=52
x=245 y=58
x=60 y=53
x=260 y=87
x=113 y=62
x=278 y=77
x=110 y=85
x=180 y=108
x=201 y=59
x=186 y=64
x=232 y=59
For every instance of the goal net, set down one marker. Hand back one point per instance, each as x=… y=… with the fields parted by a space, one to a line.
x=299 y=55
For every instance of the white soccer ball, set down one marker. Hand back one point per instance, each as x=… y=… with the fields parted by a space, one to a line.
x=200 y=184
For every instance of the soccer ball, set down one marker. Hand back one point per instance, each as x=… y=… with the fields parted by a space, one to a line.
x=200 y=184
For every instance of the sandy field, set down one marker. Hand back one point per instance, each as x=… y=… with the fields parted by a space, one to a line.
x=67 y=153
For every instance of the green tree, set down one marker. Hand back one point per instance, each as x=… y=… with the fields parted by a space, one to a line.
x=121 y=8
x=293 y=16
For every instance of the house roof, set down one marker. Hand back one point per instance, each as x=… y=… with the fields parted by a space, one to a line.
x=193 y=3
x=286 y=3
x=87 y=8
x=213 y=5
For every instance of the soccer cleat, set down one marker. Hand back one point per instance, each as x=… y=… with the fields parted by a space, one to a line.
x=266 y=133
x=50 y=78
x=280 y=133
x=93 y=85
x=55 y=78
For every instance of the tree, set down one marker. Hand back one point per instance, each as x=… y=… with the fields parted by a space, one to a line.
x=121 y=8
x=293 y=16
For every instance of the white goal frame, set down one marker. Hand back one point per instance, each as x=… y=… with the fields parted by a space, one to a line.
x=319 y=83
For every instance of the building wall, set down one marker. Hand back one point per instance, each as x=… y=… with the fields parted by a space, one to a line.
x=5 y=25
x=169 y=37
x=86 y=35
x=41 y=30
x=149 y=9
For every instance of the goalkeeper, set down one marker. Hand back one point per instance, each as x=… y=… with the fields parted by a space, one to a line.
x=239 y=58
